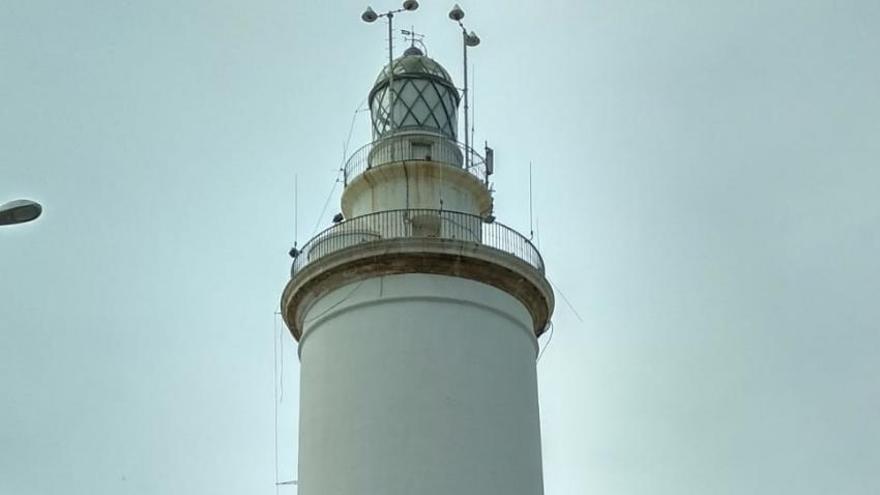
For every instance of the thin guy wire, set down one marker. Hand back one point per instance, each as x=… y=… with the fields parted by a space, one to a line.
x=281 y=373
x=275 y=396
x=326 y=202
x=549 y=339
x=342 y=164
x=567 y=302
x=347 y=296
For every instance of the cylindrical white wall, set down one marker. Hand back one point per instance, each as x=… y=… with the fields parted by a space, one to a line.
x=418 y=385
x=415 y=185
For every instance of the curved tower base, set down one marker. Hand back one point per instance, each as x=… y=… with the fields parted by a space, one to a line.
x=418 y=384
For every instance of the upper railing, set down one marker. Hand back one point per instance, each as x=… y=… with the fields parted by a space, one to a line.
x=417 y=223
x=415 y=147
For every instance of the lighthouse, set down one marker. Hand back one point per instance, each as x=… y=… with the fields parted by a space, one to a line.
x=417 y=314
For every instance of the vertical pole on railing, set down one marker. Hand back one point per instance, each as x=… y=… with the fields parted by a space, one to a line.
x=531 y=227
x=466 y=138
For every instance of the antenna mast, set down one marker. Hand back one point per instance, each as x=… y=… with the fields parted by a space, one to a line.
x=295 y=208
x=531 y=225
x=468 y=40
x=473 y=114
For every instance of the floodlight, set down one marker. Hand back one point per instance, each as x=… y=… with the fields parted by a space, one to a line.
x=471 y=39
x=19 y=211
x=456 y=14
x=410 y=5
x=369 y=15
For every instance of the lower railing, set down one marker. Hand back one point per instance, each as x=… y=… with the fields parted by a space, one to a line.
x=417 y=223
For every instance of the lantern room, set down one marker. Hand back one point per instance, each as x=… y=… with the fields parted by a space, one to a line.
x=414 y=93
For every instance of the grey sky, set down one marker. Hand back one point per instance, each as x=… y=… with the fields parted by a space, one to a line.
x=705 y=184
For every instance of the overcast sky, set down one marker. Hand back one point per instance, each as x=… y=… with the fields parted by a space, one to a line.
x=706 y=197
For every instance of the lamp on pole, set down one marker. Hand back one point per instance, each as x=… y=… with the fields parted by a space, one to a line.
x=19 y=211
x=370 y=16
x=469 y=39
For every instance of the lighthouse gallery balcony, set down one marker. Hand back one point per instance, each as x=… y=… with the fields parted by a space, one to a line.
x=419 y=224
x=420 y=241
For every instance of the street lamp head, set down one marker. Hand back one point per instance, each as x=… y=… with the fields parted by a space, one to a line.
x=369 y=15
x=471 y=39
x=410 y=5
x=456 y=14
x=19 y=211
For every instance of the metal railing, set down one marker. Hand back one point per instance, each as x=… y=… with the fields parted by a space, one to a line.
x=417 y=223
x=414 y=147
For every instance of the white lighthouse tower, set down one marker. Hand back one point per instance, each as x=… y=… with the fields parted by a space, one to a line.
x=418 y=314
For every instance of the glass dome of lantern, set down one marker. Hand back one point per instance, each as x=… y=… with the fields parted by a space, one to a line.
x=422 y=98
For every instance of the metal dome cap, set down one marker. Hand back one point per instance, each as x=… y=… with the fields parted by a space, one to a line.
x=414 y=63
